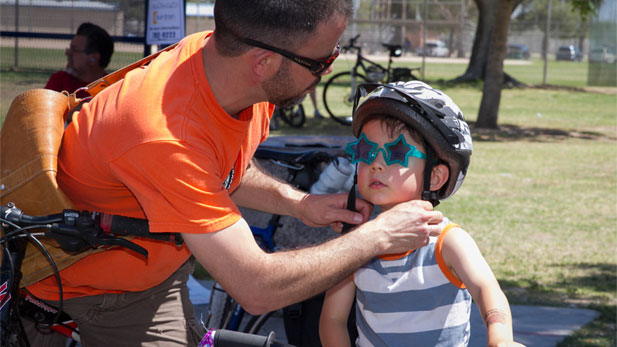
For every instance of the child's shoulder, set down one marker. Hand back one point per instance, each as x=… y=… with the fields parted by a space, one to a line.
x=453 y=235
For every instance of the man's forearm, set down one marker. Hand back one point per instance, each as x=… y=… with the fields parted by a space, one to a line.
x=301 y=274
x=261 y=191
x=263 y=282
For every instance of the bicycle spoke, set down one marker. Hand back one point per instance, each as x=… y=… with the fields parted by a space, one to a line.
x=338 y=95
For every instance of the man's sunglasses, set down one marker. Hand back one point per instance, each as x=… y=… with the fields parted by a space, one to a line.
x=315 y=67
x=396 y=152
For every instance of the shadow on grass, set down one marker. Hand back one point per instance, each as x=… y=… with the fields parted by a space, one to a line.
x=511 y=132
x=599 y=278
x=505 y=133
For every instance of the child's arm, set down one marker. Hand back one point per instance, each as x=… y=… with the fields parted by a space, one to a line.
x=462 y=256
x=334 y=314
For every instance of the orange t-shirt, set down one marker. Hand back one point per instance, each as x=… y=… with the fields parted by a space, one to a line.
x=155 y=145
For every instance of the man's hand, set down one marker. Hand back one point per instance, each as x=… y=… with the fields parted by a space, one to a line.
x=404 y=227
x=331 y=209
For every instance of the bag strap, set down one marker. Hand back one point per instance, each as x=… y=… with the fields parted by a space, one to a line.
x=97 y=86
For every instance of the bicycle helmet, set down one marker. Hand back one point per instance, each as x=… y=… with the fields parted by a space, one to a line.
x=434 y=115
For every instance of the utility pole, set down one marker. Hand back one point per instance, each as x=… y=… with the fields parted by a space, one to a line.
x=547 y=33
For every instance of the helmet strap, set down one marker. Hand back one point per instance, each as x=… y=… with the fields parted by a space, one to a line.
x=427 y=194
x=351 y=200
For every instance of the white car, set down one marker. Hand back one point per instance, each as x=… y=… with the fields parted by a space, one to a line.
x=434 y=48
x=602 y=54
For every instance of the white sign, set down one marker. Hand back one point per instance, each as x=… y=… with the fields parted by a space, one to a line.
x=165 y=22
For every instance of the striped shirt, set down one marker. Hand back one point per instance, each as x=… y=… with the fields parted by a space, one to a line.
x=412 y=300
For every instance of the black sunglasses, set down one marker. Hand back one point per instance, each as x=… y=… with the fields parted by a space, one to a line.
x=314 y=66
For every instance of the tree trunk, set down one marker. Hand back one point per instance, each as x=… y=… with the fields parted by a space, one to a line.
x=494 y=76
x=477 y=61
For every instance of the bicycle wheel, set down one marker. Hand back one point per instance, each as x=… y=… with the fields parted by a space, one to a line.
x=338 y=95
x=219 y=308
x=294 y=116
x=256 y=323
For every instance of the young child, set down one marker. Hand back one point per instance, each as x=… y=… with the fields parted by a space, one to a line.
x=413 y=143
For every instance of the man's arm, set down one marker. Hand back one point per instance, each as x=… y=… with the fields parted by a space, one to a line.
x=261 y=191
x=262 y=282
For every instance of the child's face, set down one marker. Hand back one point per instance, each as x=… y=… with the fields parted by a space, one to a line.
x=388 y=185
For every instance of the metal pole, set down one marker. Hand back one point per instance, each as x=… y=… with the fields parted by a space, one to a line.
x=404 y=25
x=147 y=47
x=462 y=30
x=16 y=49
x=424 y=37
x=545 y=42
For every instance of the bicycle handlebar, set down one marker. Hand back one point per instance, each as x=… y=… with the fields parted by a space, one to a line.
x=77 y=231
x=230 y=338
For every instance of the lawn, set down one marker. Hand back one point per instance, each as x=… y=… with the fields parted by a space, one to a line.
x=541 y=194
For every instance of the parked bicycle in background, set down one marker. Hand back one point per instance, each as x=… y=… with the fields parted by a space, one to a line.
x=294 y=116
x=338 y=92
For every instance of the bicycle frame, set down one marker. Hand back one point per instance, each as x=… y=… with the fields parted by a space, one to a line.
x=364 y=70
x=221 y=303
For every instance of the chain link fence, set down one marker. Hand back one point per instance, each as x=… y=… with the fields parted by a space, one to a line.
x=446 y=26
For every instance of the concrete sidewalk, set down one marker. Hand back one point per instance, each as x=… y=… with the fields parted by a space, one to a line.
x=536 y=326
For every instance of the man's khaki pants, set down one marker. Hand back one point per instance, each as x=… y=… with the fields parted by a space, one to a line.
x=160 y=316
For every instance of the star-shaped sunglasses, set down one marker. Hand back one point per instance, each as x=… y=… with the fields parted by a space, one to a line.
x=396 y=152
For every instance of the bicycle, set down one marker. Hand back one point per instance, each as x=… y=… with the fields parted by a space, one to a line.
x=75 y=231
x=338 y=92
x=294 y=116
x=303 y=168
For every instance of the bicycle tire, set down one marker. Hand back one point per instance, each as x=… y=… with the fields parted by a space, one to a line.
x=338 y=95
x=294 y=116
x=256 y=323
x=219 y=307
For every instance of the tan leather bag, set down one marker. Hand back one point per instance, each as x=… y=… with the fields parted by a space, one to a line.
x=30 y=141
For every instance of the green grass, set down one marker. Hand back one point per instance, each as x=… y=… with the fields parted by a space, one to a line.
x=54 y=59
x=540 y=198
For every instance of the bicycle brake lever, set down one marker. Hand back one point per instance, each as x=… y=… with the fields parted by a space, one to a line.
x=74 y=241
x=116 y=241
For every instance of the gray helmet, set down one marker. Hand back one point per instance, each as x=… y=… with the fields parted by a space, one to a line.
x=433 y=114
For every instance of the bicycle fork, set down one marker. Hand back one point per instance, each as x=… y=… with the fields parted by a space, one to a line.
x=354 y=84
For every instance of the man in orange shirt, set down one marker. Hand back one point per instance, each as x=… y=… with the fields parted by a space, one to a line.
x=173 y=142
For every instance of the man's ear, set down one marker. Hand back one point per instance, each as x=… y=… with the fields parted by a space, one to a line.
x=439 y=176
x=94 y=58
x=265 y=63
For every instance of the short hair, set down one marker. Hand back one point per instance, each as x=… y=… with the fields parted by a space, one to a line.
x=280 y=23
x=394 y=126
x=97 y=41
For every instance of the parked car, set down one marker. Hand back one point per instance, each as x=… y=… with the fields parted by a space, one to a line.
x=434 y=48
x=571 y=53
x=517 y=51
x=604 y=54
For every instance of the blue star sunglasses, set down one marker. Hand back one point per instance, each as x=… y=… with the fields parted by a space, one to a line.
x=396 y=152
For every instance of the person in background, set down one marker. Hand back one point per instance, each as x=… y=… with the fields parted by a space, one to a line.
x=316 y=114
x=87 y=57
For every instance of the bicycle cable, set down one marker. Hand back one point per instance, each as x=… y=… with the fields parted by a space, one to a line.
x=41 y=247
